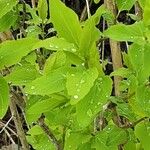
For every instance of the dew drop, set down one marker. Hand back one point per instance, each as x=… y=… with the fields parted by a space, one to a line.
x=107 y=96
x=131 y=37
x=76 y=96
x=89 y=112
x=73 y=50
x=83 y=64
x=78 y=90
x=77 y=84
x=32 y=87
x=99 y=103
x=82 y=81
x=109 y=128
x=100 y=79
x=64 y=49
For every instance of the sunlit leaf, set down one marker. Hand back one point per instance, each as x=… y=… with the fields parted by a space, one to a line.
x=142 y=131
x=65 y=21
x=79 y=83
x=125 y=4
x=4 y=97
x=6 y=6
x=47 y=84
x=11 y=52
x=93 y=102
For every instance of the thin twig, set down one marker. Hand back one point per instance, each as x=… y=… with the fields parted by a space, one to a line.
x=6 y=125
x=103 y=46
x=49 y=133
x=138 y=10
x=134 y=123
x=84 y=12
x=88 y=9
x=9 y=136
x=18 y=124
x=33 y=2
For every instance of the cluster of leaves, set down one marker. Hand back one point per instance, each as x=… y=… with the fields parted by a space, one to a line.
x=69 y=87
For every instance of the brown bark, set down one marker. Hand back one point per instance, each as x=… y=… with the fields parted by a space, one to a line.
x=115 y=47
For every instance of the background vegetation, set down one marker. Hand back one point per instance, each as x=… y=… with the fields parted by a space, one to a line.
x=74 y=74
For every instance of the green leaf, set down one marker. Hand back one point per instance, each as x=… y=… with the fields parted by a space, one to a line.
x=142 y=132
x=55 y=61
x=116 y=136
x=121 y=32
x=56 y=44
x=123 y=72
x=22 y=74
x=99 y=142
x=33 y=31
x=109 y=138
x=99 y=12
x=79 y=83
x=74 y=139
x=35 y=130
x=93 y=102
x=93 y=59
x=11 y=52
x=146 y=13
x=90 y=34
x=45 y=105
x=65 y=21
x=31 y=100
x=7 y=21
x=146 y=68
x=6 y=6
x=40 y=142
x=86 y=146
x=60 y=116
x=125 y=4
x=47 y=84
x=125 y=110
x=42 y=9
x=143 y=98
x=96 y=1
x=4 y=97
x=142 y=3
x=136 y=55
x=36 y=20
x=139 y=58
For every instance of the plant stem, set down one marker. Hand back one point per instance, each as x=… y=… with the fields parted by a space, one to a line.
x=49 y=133
x=115 y=48
x=88 y=8
x=18 y=124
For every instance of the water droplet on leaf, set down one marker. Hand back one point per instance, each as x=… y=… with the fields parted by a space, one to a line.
x=76 y=96
x=32 y=87
x=89 y=112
